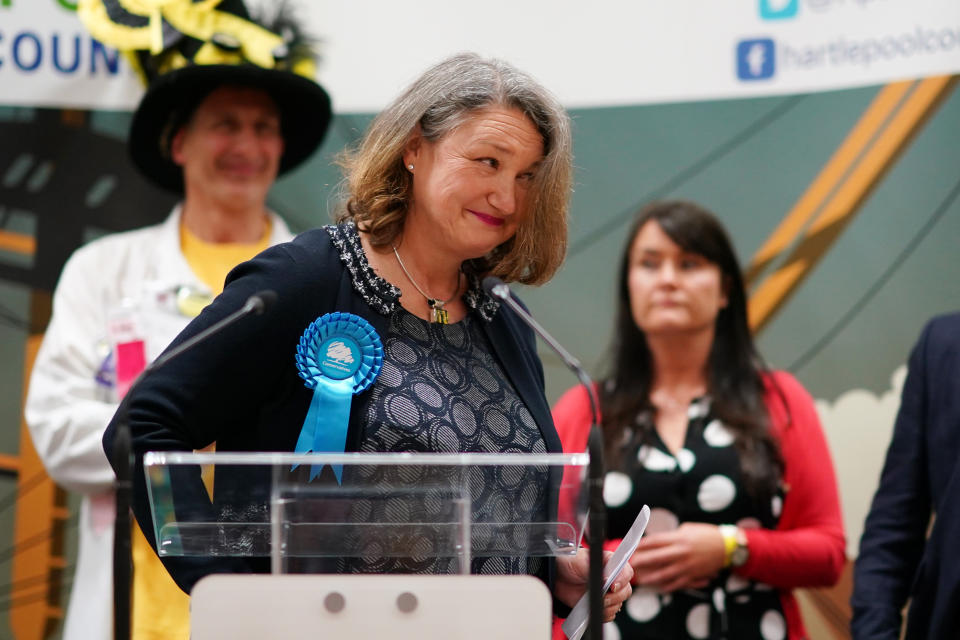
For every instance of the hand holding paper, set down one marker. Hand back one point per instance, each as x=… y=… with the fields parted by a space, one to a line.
x=576 y=622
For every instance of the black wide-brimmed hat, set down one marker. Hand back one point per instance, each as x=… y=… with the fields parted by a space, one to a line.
x=171 y=99
x=185 y=50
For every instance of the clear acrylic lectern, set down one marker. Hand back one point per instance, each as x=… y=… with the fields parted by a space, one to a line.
x=359 y=513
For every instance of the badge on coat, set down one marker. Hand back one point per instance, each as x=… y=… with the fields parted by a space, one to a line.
x=339 y=355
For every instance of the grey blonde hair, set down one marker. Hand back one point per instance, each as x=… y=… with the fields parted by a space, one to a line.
x=443 y=98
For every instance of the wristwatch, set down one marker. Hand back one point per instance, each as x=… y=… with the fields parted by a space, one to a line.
x=736 y=551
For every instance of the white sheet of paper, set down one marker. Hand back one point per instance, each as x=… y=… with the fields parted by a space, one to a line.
x=576 y=623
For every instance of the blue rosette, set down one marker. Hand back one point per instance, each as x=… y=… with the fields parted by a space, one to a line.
x=339 y=355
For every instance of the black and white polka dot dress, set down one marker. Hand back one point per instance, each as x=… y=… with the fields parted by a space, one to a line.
x=701 y=483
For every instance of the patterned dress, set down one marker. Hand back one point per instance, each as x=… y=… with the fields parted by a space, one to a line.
x=441 y=389
x=700 y=483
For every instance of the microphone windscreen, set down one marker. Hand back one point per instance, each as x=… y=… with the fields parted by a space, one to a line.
x=261 y=301
x=490 y=284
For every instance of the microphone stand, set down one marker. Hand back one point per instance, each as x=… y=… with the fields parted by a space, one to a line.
x=597 y=518
x=598 y=524
x=123 y=466
x=122 y=529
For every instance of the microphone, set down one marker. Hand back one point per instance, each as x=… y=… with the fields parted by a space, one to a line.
x=499 y=290
x=598 y=512
x=260 y=302
x=256 y=305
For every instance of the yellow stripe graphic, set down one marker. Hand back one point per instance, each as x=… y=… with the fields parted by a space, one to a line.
x=850 y=177
x=18 y=243
x=826 y=181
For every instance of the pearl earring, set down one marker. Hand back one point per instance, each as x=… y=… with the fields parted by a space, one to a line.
x=410 y=167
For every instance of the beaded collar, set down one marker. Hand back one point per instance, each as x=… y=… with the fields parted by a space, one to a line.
x=382 y=296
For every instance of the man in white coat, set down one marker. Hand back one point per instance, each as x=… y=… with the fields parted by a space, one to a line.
x=218 y=135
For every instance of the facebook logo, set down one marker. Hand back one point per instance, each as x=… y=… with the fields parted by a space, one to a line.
x=755 y=59
x=778 y=9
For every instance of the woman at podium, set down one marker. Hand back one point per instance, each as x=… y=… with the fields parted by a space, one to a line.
x=381 y=338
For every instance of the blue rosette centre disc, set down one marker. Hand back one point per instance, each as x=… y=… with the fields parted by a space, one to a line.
x=340 y=346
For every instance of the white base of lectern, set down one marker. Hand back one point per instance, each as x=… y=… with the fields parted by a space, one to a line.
x=362 y=607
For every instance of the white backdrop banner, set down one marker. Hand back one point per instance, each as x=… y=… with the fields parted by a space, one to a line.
x=593 y=53
x=47 y=58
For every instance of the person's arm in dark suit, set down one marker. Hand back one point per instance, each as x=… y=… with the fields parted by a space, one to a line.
x=895 y=530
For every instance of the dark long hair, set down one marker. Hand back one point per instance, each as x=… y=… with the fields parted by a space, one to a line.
x=734 y=368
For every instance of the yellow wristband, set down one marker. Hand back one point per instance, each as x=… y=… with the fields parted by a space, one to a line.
x=729 y=533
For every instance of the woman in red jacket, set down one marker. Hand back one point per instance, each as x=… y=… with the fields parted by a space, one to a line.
x=730 y=456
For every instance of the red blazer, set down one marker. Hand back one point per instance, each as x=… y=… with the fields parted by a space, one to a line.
x=808 y=548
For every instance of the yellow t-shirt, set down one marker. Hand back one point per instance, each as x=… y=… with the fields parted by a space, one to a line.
x=211 y=261
x=161 y=611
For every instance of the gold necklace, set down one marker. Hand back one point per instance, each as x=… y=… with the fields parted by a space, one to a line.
x=437 y=313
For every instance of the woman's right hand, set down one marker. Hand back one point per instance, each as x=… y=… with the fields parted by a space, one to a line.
x=572 y=576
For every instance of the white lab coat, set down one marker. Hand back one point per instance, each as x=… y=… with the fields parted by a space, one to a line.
x=67 y=410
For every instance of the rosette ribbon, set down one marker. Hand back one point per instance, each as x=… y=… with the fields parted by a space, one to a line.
x=339 y=355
